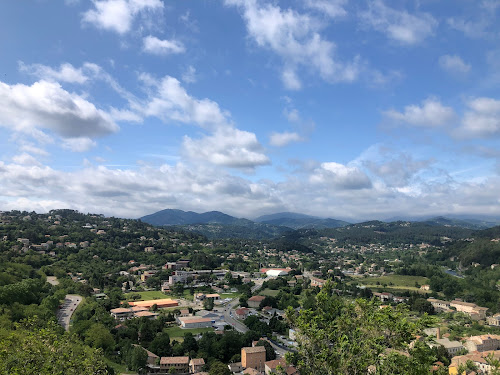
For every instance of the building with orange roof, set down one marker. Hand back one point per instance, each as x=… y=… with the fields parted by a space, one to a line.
x=160 y=303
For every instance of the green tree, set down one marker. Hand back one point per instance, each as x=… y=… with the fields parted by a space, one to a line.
x=208 y=304
x=99 y=336
x=341 y=337
x=219 y=368
x=161 y=345
x=137 y=358
x=270 y=353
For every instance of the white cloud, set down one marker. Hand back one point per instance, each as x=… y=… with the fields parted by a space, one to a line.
x=228 y=147
x=25 y=159
x=46 y=105
x=79 y=144
x=295 y=38
x=454 y=64
x=118 y=15
x=482 y=119
x=170 y=102
x=30 y=148
x=401 y=26
x=283 y=139
x=332 y=8
x=189 y=76
x=430 y=114
x=155 y=46
x=340 y=176
x=65 y=73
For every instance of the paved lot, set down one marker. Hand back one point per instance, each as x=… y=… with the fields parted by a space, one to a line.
x=67 y=309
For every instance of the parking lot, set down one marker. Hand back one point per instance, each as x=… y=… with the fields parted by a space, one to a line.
x=67 y=309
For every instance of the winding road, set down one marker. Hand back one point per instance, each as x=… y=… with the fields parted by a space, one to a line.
x=68 y=307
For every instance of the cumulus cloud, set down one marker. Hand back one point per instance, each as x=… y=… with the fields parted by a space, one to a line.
x=295 y=38
x=66 y=73
x=482 y=119
x=430 y=114
x=340 y=176
x=399 y=25
x=228 y=147
x=454 y=64
x=118 y=15
x=155 y=46
x=169 y=101
x=283 y=139
x=25 y=159
x=46 y=105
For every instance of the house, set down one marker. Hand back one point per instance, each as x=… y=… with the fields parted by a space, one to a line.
x=121 y=313
x=317 y=282
x=474 y=311
x=184 y=312
x=242 y=313
x=213 y=296
x=181 y=364
x=160 y=303
x=452 y=347
x=483 y=343
x=494 y=320
x=194 y=322
x=478 y=358
x=271 y=366
x=178 y=277
x=253 y=357
x=255 y=301
x=196 y=365
x=425 y=287
x=439 y=305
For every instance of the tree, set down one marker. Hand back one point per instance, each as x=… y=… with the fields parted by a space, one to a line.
x=341 y=337
x=208 y=304
x=219 y=368
x=99 y=336
x=42 y=350
x=161 y=345
x=270 y=353
x=137 y=358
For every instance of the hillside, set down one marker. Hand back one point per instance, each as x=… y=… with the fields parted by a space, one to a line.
x=179 y=217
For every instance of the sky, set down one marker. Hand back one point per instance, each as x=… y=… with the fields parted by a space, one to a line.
x=366 y=109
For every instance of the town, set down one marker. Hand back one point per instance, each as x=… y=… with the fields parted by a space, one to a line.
x=158 y=301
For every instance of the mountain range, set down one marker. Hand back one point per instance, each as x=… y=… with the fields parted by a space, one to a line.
x=216 y=224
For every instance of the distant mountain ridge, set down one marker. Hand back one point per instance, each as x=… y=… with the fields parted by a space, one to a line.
x=179 y=217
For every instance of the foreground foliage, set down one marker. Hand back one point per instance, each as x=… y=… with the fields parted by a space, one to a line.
x=342 y=337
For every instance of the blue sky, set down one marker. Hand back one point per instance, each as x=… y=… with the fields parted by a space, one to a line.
x=335 y=108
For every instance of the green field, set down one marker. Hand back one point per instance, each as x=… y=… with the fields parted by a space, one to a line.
x=400 y=282
x=230 y=295
x=269 y=292
x=145 y=296
x=176 y=332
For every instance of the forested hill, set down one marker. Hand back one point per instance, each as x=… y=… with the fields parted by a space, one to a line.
x=398 y=232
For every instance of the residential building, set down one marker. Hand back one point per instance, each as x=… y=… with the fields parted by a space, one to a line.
x=452 y=347
x=483 y=343
x=317 y=282
x=476 y=312
x=478 y=358
x=122 y=313
x=253 y=357
x=439 y=305
x=242 y=313
x=181 y=364
x=255 y=301
x=196 y=365
x=494 y=320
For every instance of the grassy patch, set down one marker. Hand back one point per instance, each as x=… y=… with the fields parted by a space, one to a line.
x=179 y=332
x=119 y=368
x=145 y=296
x=269 y=292
x=394 y=281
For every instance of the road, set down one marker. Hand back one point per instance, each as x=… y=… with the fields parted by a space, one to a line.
x=71 y=302
x=240 y=327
